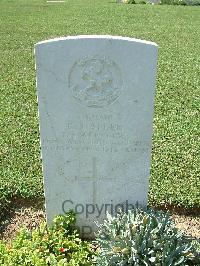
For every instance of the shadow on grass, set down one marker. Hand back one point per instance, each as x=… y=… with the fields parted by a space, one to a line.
x=181 y=210
x=9 y=209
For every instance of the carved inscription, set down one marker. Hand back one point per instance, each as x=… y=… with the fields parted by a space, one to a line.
x=99 y=133
x=95 y=82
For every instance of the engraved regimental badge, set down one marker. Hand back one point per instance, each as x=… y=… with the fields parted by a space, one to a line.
x=95 y=82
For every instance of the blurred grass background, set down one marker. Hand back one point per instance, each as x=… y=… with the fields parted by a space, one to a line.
x=175 y=174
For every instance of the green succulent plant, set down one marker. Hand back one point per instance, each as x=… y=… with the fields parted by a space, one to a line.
x=142 y=238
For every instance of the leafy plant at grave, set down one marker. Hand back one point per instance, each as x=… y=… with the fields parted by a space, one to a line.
x=142 y=238
x=196 y=246
x=56 y=245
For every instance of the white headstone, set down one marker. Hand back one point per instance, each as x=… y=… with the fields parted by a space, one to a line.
x=96 y=101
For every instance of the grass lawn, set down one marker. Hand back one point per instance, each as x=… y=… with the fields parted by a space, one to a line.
x=175 y=176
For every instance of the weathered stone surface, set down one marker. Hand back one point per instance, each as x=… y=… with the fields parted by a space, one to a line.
x=96 y=99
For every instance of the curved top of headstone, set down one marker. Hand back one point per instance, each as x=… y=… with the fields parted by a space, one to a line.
x=110 y=37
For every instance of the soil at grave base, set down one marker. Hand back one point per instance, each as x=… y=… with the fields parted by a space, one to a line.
x=30 y=213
